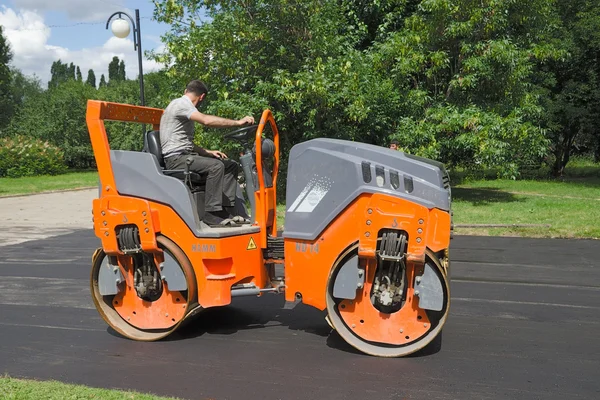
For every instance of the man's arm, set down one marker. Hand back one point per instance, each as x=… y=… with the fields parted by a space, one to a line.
x=213 y=121
x=201 y=151
x=208 y=153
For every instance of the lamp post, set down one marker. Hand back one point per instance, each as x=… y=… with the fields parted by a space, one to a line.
x=120 y=28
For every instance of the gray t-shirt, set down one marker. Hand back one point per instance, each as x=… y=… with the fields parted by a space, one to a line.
x=176 y=128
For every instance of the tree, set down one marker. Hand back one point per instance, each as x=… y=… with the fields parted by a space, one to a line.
x=91 y=78
x=6 y=105
x=24 y=89
x=113 y=70
x=122 y=75
x=60 y=73
x=57 y=116
x=452 y=80
x=71 y=72
x=572 y=84
x=79 y=78
x=471 y=71
x=102 y=81
x=116 y=70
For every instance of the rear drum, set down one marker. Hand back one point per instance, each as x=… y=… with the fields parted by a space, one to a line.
x=142 y=306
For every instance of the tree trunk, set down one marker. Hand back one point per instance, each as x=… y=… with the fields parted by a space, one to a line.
x=563 y=153
x=557 y=168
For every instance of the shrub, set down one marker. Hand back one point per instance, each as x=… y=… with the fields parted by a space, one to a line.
x=23 y=156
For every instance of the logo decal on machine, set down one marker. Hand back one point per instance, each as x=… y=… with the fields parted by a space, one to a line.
x=311 y=195
x=204 y=248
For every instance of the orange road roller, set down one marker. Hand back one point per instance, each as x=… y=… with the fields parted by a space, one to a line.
x=366 y=237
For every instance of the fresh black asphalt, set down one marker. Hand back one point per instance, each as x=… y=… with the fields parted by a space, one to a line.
x=524 y=324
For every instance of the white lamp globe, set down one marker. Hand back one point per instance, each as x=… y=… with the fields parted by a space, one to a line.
x=120 y=28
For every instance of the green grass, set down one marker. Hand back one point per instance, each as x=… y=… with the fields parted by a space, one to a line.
x=38 y=184
x=582 y=167
x=280 y=216
x=20 y=389
x=569 y=205
x=578 y=168
x=571 y=208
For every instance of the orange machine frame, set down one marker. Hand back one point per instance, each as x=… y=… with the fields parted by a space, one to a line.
x=214 y=265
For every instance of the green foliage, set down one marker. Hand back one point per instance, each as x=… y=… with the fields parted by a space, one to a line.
x=494 y=84
x=91 y=78
x=58 y=117
x=572 y=85
x=122 y=70
x=113 y=69
x=6 y=105
x=61 y=73
x=26 y=156
x=452 y=80
x=23 y=89
x=466 y=74
x=116 y=71
x=475 y=139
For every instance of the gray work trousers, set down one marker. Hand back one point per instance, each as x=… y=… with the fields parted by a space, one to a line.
x=221 y=181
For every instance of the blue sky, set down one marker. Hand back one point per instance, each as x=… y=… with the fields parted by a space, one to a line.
x=42 y=31
x=81 y=36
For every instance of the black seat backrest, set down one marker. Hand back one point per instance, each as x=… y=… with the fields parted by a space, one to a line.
x=153 y=142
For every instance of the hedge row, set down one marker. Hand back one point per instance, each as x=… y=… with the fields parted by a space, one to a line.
x=24 y=156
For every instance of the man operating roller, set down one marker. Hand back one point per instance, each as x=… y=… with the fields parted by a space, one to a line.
x=176 y=139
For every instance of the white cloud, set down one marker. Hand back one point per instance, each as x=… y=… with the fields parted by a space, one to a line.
x=80 y=10
x=28 y=37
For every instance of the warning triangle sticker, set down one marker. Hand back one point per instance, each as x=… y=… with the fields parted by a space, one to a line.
x=251 y=245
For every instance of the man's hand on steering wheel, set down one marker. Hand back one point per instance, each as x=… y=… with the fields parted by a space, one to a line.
x=217 y=154
x=247 y=120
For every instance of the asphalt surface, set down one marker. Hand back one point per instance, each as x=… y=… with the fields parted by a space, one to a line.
x=524 y=324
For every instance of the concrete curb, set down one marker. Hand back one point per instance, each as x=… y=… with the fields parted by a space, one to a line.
x=48 y=192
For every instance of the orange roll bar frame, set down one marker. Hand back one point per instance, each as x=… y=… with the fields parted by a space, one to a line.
x=266 y=198
x=100 y=111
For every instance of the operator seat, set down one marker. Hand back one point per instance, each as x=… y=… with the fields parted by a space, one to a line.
x=154 y=148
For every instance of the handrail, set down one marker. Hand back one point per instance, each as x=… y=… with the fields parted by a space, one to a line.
x=109 y=111
x=267 y=116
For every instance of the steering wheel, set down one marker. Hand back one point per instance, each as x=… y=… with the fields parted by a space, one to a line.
x=245 y=133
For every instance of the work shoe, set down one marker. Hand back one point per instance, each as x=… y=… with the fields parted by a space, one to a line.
x=230 y=213
x=240 y=219
x=214 y=219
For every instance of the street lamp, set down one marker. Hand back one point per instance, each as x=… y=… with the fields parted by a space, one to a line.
x=120 y=28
